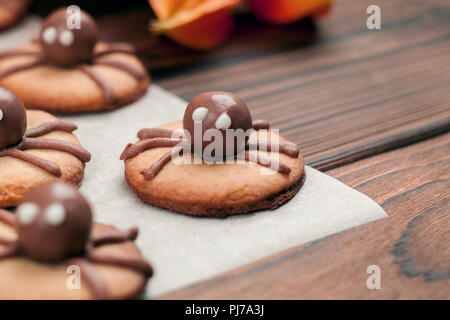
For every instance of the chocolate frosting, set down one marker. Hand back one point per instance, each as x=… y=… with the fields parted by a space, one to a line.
x=103 y=84
x=261 y=125
x=68 y=47
x=151 y=172
x=61 y=225
x=137 y=73
x=54 y=144
x=120 y=47
x=48 y=127
x=47 y=165
x=133 y=150
x=7 y=217
x=217 y=104
x=18 y=52
x=13 y=118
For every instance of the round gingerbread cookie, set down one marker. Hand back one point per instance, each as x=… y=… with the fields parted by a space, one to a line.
x=35 y=148
x=51 y=249
x=12 y=11
x=168 y=167
x=67 y=70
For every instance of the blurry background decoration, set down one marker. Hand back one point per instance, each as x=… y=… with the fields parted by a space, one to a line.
x=287 y=11
x=204 y=24
x=199 y=24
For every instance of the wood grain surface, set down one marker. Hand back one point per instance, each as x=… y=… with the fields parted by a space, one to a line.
x=339 y=90
x=411 y=246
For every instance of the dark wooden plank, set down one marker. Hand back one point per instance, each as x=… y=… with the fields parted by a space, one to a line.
x=411 y=246
x=339 y=90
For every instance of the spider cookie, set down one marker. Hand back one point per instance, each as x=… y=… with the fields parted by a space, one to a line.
x=12 y=11
x=216 y=162
x=51 y=249
x=35 y=148
x=68 y=70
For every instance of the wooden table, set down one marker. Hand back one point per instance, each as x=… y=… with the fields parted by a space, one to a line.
x=371 y=108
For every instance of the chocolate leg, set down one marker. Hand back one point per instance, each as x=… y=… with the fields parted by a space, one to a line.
x=51 y=126
x=143 y=145
x=267 y=162
x=6 y=242
x=91 y=276
x=261 y=124
x=18 y=52
x=41 y=143
x=136 y=264
x=288 y=148
x=8 y=218
x=21 y=67
x=105 y=86
x=150 y=133
x=115 y=236
x=151 y=172
x=115 y=48
x=46 y=165
x=136 y=73
x=10 y=251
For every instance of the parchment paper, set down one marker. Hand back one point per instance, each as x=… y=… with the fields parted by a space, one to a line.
x=20 y=34
x=183 y=249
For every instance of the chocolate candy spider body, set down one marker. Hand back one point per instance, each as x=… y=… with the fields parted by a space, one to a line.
x=54 y=224
x=221 y=112
x=15 y=138
x=13 y=119
x=65 y=44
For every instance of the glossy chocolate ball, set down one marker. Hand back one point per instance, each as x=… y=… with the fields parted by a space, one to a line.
x=222 y=112
x=68 y=37
x=54 y=222
x=13 y=119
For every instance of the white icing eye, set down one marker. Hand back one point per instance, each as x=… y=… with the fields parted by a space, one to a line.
x=49 y=35
x=223 y=121
x=66 y=38
x=27 y=213
x=199 y=114
x=1 y=115
x=55 y=214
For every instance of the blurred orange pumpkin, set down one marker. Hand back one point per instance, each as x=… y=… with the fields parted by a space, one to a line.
x=198 y=24
x=287 y=11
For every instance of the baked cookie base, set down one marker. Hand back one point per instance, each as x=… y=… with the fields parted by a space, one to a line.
x=272 y=203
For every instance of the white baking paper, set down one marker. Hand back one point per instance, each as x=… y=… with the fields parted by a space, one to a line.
x=184 y=249
x=20 y=34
